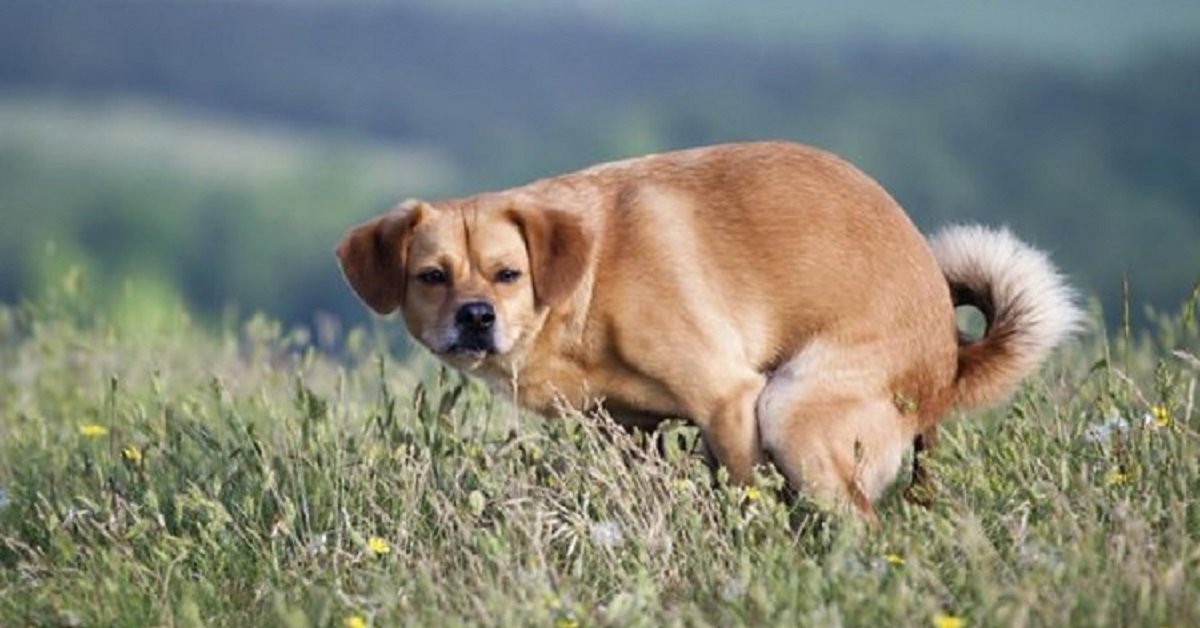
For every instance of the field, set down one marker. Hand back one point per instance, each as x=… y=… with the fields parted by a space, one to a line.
x=254 y=475
x=168 y=457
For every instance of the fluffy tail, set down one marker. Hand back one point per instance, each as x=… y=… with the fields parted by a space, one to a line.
x=1028 y=306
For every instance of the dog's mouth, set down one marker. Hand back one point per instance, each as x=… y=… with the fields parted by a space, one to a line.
x=470 y=350
x=475 y=347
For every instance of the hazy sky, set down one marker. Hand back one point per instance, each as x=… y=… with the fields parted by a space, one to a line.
x=1073 y=31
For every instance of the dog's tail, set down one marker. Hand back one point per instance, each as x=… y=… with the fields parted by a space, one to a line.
x=1026 y=302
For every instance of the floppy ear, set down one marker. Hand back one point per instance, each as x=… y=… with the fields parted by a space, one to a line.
x=560 y=248
x=373 y=255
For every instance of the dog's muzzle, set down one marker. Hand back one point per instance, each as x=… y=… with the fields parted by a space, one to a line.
x=475 y=324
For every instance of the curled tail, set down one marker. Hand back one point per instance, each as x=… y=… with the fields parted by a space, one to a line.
x=1028 y=306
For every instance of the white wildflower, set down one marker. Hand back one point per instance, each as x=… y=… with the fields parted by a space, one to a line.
x=1114 y=425
x=607 y=534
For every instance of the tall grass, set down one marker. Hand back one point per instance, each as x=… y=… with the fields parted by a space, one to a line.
x=245 y=477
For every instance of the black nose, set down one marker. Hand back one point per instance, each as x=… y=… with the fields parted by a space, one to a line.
x=477 y=316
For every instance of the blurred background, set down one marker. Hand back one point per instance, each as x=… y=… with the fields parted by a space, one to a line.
x=210 y=153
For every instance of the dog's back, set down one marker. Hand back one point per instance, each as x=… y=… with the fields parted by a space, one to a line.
x=768 y=245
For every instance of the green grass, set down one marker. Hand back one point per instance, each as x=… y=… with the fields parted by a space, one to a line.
x=245 y=477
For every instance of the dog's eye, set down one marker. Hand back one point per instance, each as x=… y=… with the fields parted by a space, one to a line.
x=432 y=276
x=508 y=275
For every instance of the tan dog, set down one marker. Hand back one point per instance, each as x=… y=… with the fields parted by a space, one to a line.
x=771 y=293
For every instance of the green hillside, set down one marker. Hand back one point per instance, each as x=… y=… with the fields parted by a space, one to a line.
x=156 y=208
x=1098 y=162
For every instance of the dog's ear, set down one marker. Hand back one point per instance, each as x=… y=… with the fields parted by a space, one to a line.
x=373 y=254
x=560 y=249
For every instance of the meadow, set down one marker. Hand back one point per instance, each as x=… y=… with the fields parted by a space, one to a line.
x=169 y=458
x=252 y=474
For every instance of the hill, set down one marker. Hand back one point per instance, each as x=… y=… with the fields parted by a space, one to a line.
x=1097 y=163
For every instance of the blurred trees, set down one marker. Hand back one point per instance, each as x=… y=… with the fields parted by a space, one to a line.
x=1102 y=167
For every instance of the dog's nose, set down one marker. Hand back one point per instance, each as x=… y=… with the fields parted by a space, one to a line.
x=476 y=316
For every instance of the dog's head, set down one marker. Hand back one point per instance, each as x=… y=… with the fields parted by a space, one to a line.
x=471 y=281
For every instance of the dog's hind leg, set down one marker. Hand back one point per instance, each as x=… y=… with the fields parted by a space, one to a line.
x=921 y=488
x=831 y=433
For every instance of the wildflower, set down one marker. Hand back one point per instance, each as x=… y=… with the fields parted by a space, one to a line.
x=1113 y=425
x=1159 y=415
x=132 y=454
x=378 y=546
x=354 y=621
x=93 y=430
x=752 y=494
x=1116 y=477
x=564 y=617
x=607 y=534
x=893 y=559
x=944 y=620
x=318 y=545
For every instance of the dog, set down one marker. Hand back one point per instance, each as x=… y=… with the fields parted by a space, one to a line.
x=770 y=293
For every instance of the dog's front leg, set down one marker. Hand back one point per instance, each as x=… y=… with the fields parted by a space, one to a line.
x=728 y=425
x=717 y=391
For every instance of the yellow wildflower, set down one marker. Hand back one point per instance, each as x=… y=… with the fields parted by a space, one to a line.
x=378 y=546
x=549 y=601
x=1162 y=416
x=354 y=621
x=1116 y=477
x=943 y=620
x=752 y=494
x=894 y=559
x=566 y=621
x=132 y=454
x=93 y=430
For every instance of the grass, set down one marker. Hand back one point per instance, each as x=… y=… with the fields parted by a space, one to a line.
x=251 y=476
